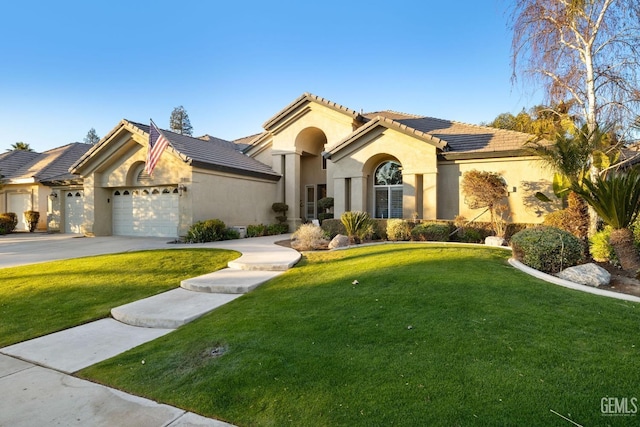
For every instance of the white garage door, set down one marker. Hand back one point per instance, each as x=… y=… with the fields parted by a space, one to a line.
x=74 y=211
x=146 y=212
x=18 y=203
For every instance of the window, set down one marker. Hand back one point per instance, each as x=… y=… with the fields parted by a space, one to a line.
x=310 y=211
x=388 y=190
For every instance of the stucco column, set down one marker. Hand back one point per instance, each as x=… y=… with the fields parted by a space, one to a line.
x=278 y=165
x=409 y=196
x=359 y=193
x=292 y=188
x=430 y=195
x=339 y=197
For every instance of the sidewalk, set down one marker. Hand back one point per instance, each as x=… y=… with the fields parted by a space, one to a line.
x=34 y=375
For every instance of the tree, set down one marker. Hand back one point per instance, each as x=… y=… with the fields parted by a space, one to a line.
x=616 y=198
x=586 y=51
x=486 y=190
x=179 y=121
x=92 y=137
x=20 y=146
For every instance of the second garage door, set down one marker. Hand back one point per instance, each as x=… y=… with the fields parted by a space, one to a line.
x=146 y=212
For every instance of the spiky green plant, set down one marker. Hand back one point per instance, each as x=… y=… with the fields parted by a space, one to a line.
x=357 y=224
x=615 y=197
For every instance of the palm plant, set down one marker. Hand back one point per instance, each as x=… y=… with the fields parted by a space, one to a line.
x=615 y=197
x=20 y=146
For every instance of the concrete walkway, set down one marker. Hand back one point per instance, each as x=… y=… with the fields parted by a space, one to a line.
x=34 y=375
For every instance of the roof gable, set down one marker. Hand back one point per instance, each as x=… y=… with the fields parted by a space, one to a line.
x=291 y=111
x=454 y=139
x=52 y=165
x=205 y=152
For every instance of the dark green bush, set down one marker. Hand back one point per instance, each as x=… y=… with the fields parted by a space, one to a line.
x=431 y=231
x=275 y=229
x=256 y=230
x=547 y=249
x=211 y=230
x=8 y=222
x=333 y=227
x=470 y=235
x=231 y=234
x=322 y=217
x=32 y=218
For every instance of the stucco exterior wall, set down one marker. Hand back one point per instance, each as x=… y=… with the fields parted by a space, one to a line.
x=524 y=177
x=37 y=196
x=358 y=163
x=238 y=201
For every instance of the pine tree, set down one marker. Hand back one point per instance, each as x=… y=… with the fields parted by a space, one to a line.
x=92 y=137
x=179 y=121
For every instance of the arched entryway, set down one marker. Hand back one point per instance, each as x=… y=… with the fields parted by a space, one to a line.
x=387 y=188
x=310 y=143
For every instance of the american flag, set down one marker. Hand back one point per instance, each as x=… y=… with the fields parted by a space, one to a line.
x=157 y=143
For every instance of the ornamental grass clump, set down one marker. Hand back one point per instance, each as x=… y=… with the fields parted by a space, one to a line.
x=309 y=237
x=547 y=249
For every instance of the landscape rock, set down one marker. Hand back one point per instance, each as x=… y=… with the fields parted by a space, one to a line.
x=586 y=274
x=494 y=241
x=339 y=241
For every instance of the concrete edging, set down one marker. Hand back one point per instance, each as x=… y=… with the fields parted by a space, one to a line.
x=571 y=285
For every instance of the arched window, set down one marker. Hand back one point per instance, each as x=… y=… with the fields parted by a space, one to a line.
x=388 y=190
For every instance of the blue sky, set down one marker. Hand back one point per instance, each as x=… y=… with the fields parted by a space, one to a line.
x=68 y=66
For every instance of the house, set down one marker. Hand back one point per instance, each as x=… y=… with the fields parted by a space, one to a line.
x=28 y=180
x=390 y=164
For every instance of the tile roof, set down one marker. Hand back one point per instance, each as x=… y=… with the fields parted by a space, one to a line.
x=215 y=153
x=52 y=165
x=461 y=137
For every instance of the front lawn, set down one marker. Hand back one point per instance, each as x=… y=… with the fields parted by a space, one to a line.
x=431 y=335
x=39 y=299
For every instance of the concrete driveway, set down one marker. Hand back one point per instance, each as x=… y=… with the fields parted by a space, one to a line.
x=32 y=248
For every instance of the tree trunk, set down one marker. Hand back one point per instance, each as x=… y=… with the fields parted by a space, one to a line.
x=622 y=242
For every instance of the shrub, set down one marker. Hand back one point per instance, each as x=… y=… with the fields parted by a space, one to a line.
x=547 y=249
x=574 y=219
x=398 y=230
x=379 y=229
x=32 y=218
x=256 y=230
x=281 y=209
x=333 y=227
x=431 y=231
x=8 y=222
x=471 y=235
x=600 y=248
x=231 y=234
x=308 y=237
x=210 y=230
x=324 y=216
x=357 y=224
x=275 y=229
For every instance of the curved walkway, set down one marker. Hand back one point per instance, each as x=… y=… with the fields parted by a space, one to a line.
x=33 y=374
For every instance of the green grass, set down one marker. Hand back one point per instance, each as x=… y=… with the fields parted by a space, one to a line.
x=432 y=335
x=39 y=299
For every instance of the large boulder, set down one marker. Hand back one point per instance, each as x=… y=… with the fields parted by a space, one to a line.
x=339 y=241
x=586 y=274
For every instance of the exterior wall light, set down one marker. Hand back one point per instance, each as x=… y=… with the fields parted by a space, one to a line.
x=182 y=189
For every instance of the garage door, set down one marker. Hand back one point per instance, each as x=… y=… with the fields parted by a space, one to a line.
x=146 y=212
x=18 y=203
x=74 y=211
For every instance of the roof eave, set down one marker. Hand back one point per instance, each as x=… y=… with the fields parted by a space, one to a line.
x=228 y=169
x=471 y=155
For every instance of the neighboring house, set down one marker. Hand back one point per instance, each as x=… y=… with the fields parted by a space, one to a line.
x=390 y=164
x=29 y=178
x=196 y=179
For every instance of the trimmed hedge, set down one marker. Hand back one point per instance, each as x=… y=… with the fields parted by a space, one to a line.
x=398 y=230
x=547 y=249
x=431 y=231
x=259 y=230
